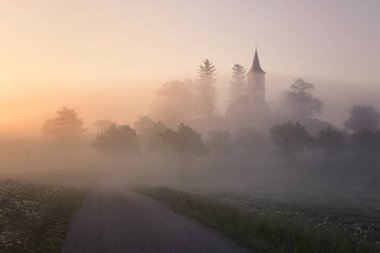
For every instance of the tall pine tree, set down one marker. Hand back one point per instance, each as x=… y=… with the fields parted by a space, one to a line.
x=206 y=89
x=237 y=88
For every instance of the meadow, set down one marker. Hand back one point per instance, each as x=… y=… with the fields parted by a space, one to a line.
x=35 y=218
x=275 y=226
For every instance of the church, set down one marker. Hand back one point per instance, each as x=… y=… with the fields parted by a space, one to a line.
x=253 y=109
x=256 y=82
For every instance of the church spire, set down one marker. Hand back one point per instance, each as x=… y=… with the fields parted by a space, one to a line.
x=256 y=64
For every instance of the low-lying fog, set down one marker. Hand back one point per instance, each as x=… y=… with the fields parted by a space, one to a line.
x=245 y=164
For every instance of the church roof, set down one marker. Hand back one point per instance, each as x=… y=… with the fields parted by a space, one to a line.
x=256 y=64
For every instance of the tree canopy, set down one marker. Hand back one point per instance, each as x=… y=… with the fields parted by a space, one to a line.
x=175 y=102
x=103 y=124
x=301 y=101
x=205 y=90
x=331 y=140
x=237 y=88
x=207 y=72
x=149 y=132
x=365 y=141
x=289 y=138
x=67 y=125
x=117 y=140
x=184 y=141
x=363 y=116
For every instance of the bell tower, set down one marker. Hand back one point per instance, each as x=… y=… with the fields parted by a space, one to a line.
x=256 y=82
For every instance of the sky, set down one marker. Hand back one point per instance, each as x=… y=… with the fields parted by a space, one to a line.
x=81 y=52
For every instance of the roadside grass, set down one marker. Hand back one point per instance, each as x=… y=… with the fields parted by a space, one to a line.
x=35 y=218
x=260 y=231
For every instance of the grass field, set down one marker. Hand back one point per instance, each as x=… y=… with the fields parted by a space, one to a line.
x=277 y=227
x=35 y=218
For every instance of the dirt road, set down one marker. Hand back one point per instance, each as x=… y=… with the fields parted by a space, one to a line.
x=113 y=219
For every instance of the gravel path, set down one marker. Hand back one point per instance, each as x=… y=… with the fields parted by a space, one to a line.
x=113 y=219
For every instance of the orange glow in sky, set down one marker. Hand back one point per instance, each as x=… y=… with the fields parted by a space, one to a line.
x=111 y=54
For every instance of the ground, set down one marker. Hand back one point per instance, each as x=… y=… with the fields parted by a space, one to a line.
x=114 y=219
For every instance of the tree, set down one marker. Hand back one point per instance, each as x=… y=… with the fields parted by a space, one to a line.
x=67 y=125
x=290 y=138
x=207 y=72
x=238 y=109
x=220 y=142
x=103 y=124
x=301 y=102
x=148 y=132
x=205 y=89
x=331 y=140
x=363 y=116
x=237 y=88
x=174 y=102
x=117 y=140
x=185 y=141
x=144 y=125
x=247 y=138
x=365 y=141
x=170 y=141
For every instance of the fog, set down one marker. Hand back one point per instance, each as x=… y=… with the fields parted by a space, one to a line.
x=303 y=125
x=27 y=154
x=124 y=102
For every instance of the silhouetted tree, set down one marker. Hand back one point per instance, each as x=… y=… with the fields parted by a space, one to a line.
x=170 y=141
x=67 y=125
x=205 y=89
x=149 y=132
x=363 y=116
x=174 y=102
x=143 y=125
x=247 y=138
x=117 y=140
x=103 y=124
x=290 y=138
x=237 y=88
x=239 y=110
x=207 y=72
x=220 y=142
x=301 y=102
x=184 y=142
x=365 y=141
x=331 y=140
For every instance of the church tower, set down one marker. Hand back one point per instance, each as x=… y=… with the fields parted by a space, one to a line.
x=256 y=82
x=253 y=110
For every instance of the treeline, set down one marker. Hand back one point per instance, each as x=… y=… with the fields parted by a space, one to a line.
x=291 y=138
x=193 y=102
x=149 y=136
x=186 y=123
x=360 y=136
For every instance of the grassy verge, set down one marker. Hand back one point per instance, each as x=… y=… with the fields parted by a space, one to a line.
x=258 y=231
x=35 y=218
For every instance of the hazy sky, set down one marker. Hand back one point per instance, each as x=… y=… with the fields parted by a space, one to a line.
x=50 y=45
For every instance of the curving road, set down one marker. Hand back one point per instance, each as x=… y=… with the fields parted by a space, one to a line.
x=113 y=219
